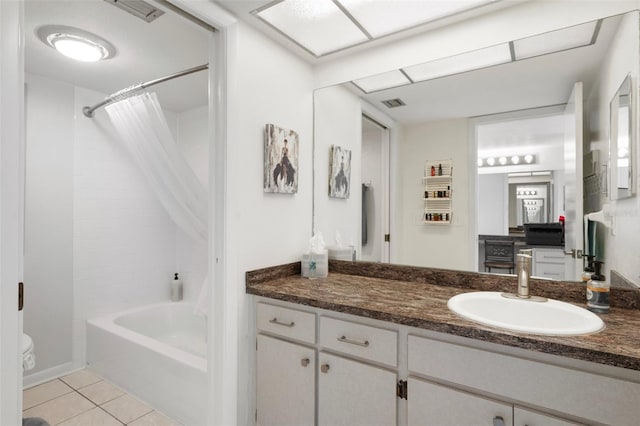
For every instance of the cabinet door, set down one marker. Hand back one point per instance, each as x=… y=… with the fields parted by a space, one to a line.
x=285 y=383
x=524 y=417
x=437 y=405
x=354 y=393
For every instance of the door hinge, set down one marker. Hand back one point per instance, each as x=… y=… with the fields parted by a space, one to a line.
x=402 y=389
x=387 y=238
x=20 y=296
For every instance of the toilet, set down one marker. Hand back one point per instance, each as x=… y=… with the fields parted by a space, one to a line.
x=28 y=357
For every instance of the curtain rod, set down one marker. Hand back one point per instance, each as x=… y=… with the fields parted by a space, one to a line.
x=124 y=93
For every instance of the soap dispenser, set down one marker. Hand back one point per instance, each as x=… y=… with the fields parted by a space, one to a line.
x=598 y=289
x=588 y=270
x=176 y=288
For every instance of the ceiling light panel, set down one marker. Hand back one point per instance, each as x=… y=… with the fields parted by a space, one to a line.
x=555 y=41
x=383 y=17
x=319 y=25
x=382 y=81
x=476 y=59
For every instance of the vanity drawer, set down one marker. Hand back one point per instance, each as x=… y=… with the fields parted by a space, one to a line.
x=549 y=255
x=286 y=322
x=371 y=343
x=549 y=270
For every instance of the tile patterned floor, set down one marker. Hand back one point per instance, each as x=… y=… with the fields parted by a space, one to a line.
x=84 y=399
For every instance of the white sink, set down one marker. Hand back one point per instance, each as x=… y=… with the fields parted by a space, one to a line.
x=551 y=317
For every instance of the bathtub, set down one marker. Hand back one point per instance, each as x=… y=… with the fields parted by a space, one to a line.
x=157 y=353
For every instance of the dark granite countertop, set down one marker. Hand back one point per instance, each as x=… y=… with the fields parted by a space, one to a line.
x=417 y=297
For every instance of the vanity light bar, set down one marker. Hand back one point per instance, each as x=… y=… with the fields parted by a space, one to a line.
x=513 y=160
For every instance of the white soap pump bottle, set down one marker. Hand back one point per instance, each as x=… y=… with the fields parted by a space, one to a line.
x=176 y=288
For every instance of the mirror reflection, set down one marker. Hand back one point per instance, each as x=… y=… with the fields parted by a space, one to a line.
x=519 y=108
x=621 y=137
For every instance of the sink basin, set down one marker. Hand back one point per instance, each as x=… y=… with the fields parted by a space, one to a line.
x=550 y=318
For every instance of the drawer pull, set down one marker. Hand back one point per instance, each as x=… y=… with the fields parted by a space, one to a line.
x=344 y=339
x=304 y=362
x=498 y=421
x=324 y=368
x=284 y=324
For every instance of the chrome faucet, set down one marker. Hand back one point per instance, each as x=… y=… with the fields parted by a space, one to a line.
x=523 y=270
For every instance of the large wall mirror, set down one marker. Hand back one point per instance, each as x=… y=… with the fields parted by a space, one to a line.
x=622 y=143
x=393 y=131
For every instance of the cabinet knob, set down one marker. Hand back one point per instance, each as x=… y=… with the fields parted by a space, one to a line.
x=498 y=421
x=324 y=368
x=304 y=362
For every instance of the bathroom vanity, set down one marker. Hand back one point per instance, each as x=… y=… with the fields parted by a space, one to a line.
x=376 y=344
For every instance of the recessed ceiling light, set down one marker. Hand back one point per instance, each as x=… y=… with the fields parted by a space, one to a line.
x=476 y=59
x=382 y=81
x=319 y=26
x=557 y=41
x=379 y=18
x=76 y=43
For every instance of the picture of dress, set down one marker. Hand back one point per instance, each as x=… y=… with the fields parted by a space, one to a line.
x=280 y=160
x=340 y=172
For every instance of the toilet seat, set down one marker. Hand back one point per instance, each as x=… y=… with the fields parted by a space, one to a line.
x=28 y=357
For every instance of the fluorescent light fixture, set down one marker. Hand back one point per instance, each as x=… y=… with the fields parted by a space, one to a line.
x=556 y=41
x=476 y=59
x=382 y=81
x=380 y=18
x=319 y=26
x=75 y=43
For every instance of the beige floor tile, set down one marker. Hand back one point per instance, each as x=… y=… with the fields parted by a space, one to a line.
x=126 y=408
x=101 y=392
x=154 y=419
x=60 y=409
x=94 y=417
x=81 y=378
x=43 y=393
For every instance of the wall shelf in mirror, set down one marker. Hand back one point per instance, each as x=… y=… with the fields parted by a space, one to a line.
x=438 y=175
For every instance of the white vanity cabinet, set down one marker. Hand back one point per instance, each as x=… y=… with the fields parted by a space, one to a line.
x=431 y=404
x=355 y=393
x=359 y=371
x=548 y=263
x=525 y=417
x=285 y=383
x=285 y=369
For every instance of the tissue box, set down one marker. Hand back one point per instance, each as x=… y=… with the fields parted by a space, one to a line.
x=340 y=253
x=315 y=265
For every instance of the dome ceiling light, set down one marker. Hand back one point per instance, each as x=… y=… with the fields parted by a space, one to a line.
x=76 y=43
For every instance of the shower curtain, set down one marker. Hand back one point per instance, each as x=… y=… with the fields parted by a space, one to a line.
x=140 y=123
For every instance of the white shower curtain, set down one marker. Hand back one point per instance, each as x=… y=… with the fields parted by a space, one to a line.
x=145 y=134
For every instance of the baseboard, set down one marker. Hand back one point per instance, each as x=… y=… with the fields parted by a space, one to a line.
x=48 y=374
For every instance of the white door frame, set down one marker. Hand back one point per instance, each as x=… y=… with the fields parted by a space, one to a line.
x=389 y=148
x=224 y=297
x=11 y=207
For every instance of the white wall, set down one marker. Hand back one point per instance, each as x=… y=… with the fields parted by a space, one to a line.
x=338 y=118
x=48 y=256
x=439 y=246
x=191 y=257
x=493 y=204
x=622 y=249
x=270 y=86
